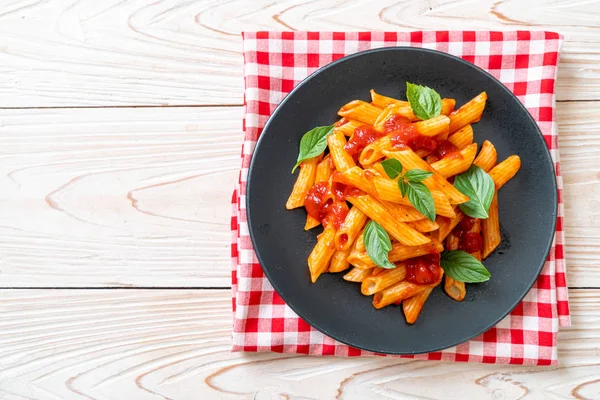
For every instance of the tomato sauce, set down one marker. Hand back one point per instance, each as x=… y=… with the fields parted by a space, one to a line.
x=446 y=149
x=423 y=270
x=362 y=137
x=327 y=205
x=404 y=134
x=470 y=242
x=341 y=122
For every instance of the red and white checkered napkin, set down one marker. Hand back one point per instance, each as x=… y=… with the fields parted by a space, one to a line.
x=274 y=63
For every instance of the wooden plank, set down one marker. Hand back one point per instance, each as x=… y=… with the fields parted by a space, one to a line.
x=60 y=53
x=175 y=344
x=104 y=197
x=141 y=196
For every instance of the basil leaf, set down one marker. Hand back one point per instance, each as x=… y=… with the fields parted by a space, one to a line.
x=402 y=185
x=463 y=267
x=479 y=187
x=417 y=175
x=313 y=143
x=392 y=167
x=378 y=245
x=421 y=199
x=425 y=102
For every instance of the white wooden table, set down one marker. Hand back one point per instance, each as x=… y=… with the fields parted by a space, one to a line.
x=120 y=130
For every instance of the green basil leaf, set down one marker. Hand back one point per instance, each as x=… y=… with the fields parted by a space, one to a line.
x=378 y=245
x=402 y=186
x=313 y=143
x=479 y=187
x=392 y=167
x=463 y=267
x=421 y=199
x=425 y=102
x=417 y=175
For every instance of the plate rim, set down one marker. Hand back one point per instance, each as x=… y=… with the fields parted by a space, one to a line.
x=288 y=97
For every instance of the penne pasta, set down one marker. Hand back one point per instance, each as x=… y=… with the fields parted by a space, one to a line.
x=412 y=306
x=358 y=275
x=410 y=160
x=400 y=291
x=468 y=113
x=305 y=181
x=425 y=225
x=319 y=258
x=383 y=280
x=374 y=151
x=399 y=252
x=455 y=289
x=403 y=213
x=462 y=138
x=359 y=244
x=384 y=101
x=456 y=164
x=350 y=229
x=486 y=159
x=504 y=171
x=360 y=111
x=357 y=178
x=341 y=159
x=378 y=213
x=339 y=260
x=490 y=229
x=387 y=189
x=324 y=171
x=347 y=126
x=434 y=126
x=446 y=225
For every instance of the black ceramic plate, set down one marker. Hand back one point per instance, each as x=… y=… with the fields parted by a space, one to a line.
x=337 y=308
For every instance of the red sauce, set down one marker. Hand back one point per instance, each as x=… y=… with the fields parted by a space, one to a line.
x=470 y=242
x=338 y=190
x=341 y=122
x=404 y=134
x=445 y=149
x=351 y=191
x=327 y=205
x=423 y=270
x=362 y=137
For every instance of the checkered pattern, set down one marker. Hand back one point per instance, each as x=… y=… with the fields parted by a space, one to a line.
x=275 y=62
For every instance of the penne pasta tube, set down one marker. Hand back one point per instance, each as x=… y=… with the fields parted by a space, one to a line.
x=387 y=189
x=374 y=151
x=311 y=222
x=357 y=178
x=447 y=224
x=399 y=252
x=434 y=126
x=324 y=171
x=378 y=213
x=504 y=171
x=455 y=289
x=454 y=165
x=383 y=280
x=304 y=182
x=359 y=244
x=486 y=159
x=360 y=111
x=412 y=306
x=350 y=229
x=425 y=225
x=490 y=229
x=358 y=275
x=341 y=159
x=384 y=101
x=468 y=113
x=403 y=213
x=319 y=258
x=400 y=291
x=462 y=138
x=339 y=260
x=347 y=126
x=410 y=160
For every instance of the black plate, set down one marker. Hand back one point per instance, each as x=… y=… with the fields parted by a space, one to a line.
x=528 y=204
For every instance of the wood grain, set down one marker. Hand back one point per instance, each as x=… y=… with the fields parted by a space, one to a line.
x=105 y=197
x=121 y=197
x=82 y=53
x=174 y=344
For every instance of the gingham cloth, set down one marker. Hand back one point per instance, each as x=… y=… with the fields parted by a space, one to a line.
x=526 y=62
